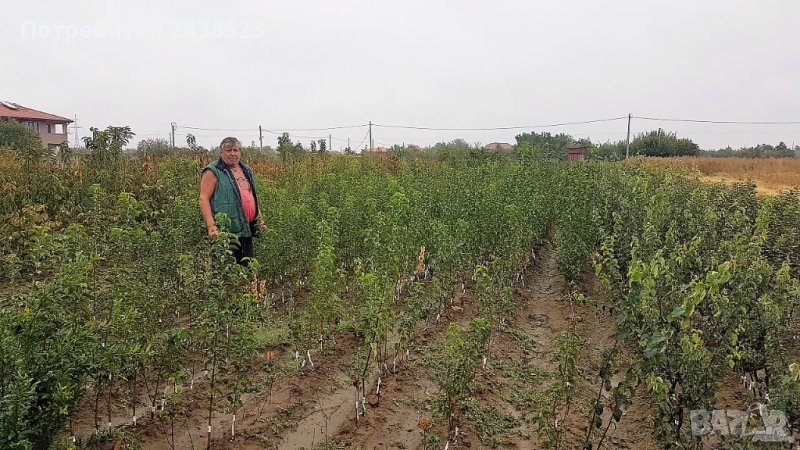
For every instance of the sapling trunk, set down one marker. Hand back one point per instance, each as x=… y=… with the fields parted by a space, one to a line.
x=364 y=397
x=385 y=355
x=191 y=383
x=594 y=413
x=564 y=418
x=133 y=399
x=355 y=385
x=108 y=400
x=605 y=432
x=172 y=431
x=213 y=379
x=155 y=393
x=96 y=407
x=269 y=395
x=233 y=421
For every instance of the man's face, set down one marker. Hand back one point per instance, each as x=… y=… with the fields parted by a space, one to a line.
x=231 y=154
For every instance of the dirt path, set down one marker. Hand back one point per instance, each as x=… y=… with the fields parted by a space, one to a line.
x=514 y=381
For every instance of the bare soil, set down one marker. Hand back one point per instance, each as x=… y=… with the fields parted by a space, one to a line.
x=314 y=407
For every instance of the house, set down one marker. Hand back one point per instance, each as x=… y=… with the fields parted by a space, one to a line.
x=378 y=150
x=50 y=127
x=498 y=146
x=577 y=153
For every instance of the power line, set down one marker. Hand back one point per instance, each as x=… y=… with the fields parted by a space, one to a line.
x=500 y=128
x=560 y=124
x=341 y=127
x=247 y=130
x=212 y=135
x=304 y=137
x=730 y=122
x=213 y=129
x=362 y=140
x=467 y=130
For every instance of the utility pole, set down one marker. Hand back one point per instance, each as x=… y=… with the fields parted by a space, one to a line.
x=370 y=136
x=172 y=135
x=75 y=127
x=628 y=144
x=330 y=143
x=260 y=139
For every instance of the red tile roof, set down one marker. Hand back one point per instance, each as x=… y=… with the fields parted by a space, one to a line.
x=14 y=111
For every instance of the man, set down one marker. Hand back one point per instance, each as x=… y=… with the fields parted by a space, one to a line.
x=228 y=186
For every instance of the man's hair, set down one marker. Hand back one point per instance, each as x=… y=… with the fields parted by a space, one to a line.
x=227 y=142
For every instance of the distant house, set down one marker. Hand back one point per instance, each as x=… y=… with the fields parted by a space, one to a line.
x=378 y=150
x=577 y=153
x=498 y=146
x=50 y=127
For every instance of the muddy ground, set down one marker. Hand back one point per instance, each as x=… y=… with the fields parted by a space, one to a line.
x=314 y=407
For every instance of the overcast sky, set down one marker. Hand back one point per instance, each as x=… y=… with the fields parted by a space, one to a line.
x=444 y=64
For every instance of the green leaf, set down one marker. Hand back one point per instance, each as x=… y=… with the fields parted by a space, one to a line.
x=678 y=312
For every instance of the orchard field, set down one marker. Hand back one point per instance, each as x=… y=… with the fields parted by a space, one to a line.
x=395 y=303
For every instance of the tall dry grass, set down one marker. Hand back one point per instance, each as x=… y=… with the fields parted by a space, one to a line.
x=771 y=175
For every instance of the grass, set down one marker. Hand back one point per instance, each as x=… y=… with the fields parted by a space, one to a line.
x=491 y=425
x=771 y=175
x=520 y=371
x=525 y=343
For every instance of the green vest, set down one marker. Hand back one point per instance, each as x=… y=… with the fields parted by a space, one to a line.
x=226 y=198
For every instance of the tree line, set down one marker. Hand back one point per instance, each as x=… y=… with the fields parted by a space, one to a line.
x=530 y=145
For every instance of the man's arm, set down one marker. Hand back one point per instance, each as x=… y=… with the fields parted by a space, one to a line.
x=207 y=185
